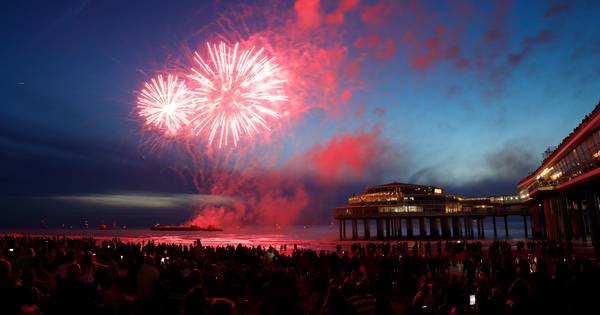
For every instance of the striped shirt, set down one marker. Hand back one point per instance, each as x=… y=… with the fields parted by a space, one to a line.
x=363 y=304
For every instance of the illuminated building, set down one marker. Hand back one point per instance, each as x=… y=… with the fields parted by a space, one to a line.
x=563 y=193
x=427 y=207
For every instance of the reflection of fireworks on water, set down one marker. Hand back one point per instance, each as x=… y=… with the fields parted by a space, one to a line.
x=166 y=105
x=235 y=92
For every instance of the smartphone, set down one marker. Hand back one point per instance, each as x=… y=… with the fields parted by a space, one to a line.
x=472 y=299
x=11 y=250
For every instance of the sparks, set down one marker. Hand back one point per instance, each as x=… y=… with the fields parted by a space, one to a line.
x=166 y=105
x=235 y=92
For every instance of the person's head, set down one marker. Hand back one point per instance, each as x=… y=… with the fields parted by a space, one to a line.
x=28 y=278
x=71 y=256
x=29 y=252
x=87 y=259
x=196 y=301
x=456 y=311
x=334 y=296
x=221 y=306
x=194 y=278
x=102 y=279
x=5 y=270
x=384 y=307
x=362 y=288
x=73 y=271
x=149 y=260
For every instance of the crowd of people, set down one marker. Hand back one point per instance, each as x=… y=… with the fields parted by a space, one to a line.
x=58 y=275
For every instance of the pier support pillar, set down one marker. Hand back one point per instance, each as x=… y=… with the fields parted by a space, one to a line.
x=495 y=228
x=387 y=228
x=483 y=228
x=399 y=228
x=379 y=223
x=409 y=228
x=592 y=208
x=468 y=228
x=422 y=230
x=341 y=232
x=367 y=228
x=445 y=228
x=581 y=221
x=433 y=228
x=525 y=226
x=354 y=229
x=456 y=228
x=506 y=226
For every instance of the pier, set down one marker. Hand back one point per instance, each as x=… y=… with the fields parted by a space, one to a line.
x=426 y=226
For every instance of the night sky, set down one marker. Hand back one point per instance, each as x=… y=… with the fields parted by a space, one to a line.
x=462 y=94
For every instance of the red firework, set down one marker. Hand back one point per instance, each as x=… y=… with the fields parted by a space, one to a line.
x=235 y=92
x=166 y=105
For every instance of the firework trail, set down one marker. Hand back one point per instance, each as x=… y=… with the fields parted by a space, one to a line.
x=235 y=92
x=166 y=105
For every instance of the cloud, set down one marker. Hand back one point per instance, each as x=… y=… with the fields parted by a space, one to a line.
x=303 y=189
x=529 y=43
x=308 y=12
x=349 y=157
x=146 y=200
x=337 y=17
x=266 y=197
x=498 y=170
x=375 y=14
x=382 y=49
x=442 y=44
x=556 y=8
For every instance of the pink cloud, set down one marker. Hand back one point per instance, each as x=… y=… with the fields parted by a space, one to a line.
x=308 y=12
x=375 y=14
x=381 y=49
x=388 y=51
x=335 y=18
x=347 y=157
x=371 y=41
x=348 y=5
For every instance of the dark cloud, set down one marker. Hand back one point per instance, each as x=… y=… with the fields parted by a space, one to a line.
x=144 y=200
x=513 y=161
x=529 y=43
x=556 y=8
x=497 y=172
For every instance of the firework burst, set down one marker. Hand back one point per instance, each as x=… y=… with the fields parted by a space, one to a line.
x=236 y=92
x=166 y=105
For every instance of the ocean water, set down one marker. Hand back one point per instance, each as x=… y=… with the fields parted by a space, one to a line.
x=318 y=237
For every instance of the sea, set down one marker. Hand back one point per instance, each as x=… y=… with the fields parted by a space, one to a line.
x=317 y=237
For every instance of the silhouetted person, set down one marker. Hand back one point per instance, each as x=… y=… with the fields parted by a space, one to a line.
x=335 y=303
x=27 y=296
x=363 y=302
x=221 y=306
x=147 y=278
x=196 y=302
x=71 y=296
x=7 y=301
x=384 y=307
